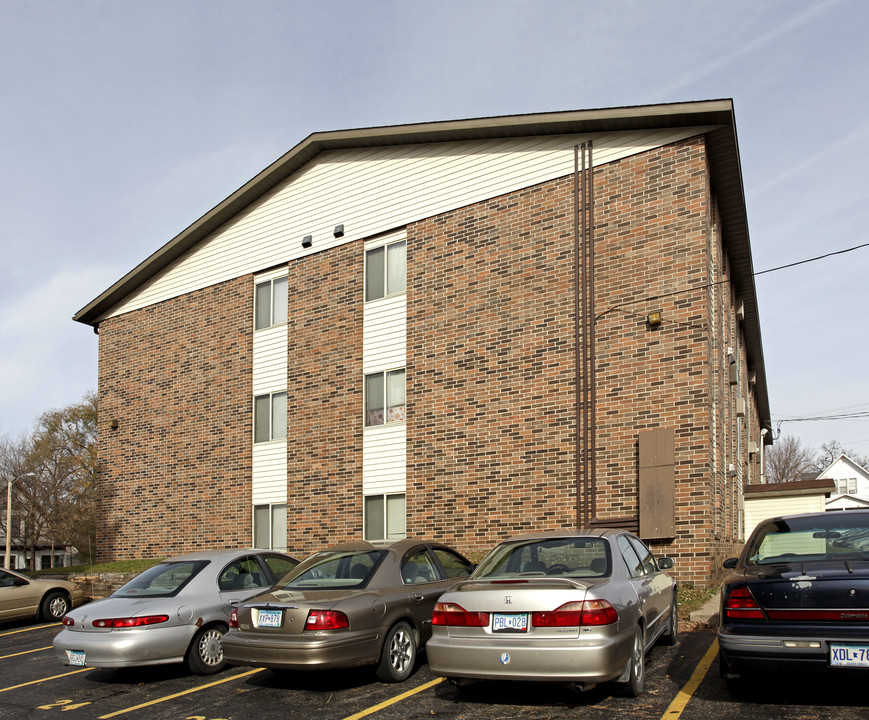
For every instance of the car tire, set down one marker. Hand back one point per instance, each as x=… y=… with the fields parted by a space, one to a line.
x=205 y=654
x=637 y=673
x=54 y=606
x=398 y=657
x=671 y=633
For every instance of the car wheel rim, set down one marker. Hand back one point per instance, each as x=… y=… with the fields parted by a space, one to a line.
x=211 y=648
x=638 y=657
x=399 y=651
x=57 y=607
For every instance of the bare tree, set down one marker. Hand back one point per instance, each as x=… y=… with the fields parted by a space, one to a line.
x=787 y=460
x=830 y=451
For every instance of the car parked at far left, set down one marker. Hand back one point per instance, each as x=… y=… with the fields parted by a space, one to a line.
x=23 y=597
x=174 y=612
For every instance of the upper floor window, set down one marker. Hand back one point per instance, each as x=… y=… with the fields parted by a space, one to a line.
x=384 y=516
x=270 y=417
x=846 y=486
x=385 y=397
x=386 y=270
x=270 y=303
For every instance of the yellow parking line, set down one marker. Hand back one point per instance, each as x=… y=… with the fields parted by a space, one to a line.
x=392 y=701
x=36 y=682
x=30 y=629
x=676 y=707
x=179 y=694
x=24 y=652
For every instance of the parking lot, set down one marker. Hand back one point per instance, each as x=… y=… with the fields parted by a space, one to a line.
x=682 y=682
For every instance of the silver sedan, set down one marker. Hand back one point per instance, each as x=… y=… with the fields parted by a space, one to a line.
x=177 y=611
x=580 y=607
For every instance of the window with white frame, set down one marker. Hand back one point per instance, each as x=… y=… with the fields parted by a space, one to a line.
x=846 y=486
x=385 y=397
x=270 y=303
x=386 y=270
x=270 y=417
x=384 y=516
x=270 y=526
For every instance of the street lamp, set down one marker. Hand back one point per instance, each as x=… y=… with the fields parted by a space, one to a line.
x=9 y=513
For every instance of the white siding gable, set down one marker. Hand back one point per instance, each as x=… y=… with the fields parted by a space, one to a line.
x=373 y=190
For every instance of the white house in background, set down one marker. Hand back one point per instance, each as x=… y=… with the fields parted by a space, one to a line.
x=852 y=484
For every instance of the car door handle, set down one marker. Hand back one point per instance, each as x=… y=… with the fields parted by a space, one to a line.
x=419 y=598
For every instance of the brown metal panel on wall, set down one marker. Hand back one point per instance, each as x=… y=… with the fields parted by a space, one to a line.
x=657 y=484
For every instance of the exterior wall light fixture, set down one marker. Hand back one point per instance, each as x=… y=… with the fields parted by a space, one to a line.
x=338 y=231
x=654 y=318
x=306 y=241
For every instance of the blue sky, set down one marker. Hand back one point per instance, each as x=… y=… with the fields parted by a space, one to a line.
x=122 y=122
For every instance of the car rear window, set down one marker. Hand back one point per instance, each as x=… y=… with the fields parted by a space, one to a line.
x=836 y=536
x=163 y=580
x=334 y=569
x=564 y=557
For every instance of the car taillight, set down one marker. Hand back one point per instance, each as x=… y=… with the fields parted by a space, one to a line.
x=326 y=620
x=233 y=618
x=130 y=622
x=68 y=621
x=455 y=615
x=740 y=605
x=574 y=614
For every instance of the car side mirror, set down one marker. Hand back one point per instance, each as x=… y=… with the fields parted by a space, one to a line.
x=665 y=563
x=730 y=563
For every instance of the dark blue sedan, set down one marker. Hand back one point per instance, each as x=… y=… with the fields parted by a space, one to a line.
x=797 y=598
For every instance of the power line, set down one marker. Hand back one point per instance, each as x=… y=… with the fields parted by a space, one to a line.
x=813 y=259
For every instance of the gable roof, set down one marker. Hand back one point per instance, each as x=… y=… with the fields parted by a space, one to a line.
x=723 y=154
x=844 y=459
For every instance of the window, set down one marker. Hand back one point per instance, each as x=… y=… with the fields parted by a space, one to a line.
x=386 y=270
x=270 y=303
x=846 y=486
x=242 y=574
x=454 y=566
x=384 y=397
x=632 y=561
x=420 y=568
x=384 y=517
x=270 y=526
x=270 y=417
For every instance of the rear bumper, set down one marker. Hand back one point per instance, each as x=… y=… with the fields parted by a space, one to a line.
x=589 y=661
x=126 y=648
x=747 y=654
x=304 y=652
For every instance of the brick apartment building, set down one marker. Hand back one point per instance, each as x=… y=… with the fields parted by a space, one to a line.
x=461 y=330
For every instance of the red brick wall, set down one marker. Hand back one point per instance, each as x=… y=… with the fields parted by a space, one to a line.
x=491 y=434
x=324 y=430
x=175 y=475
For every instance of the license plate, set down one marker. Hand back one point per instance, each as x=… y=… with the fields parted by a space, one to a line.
x=76 y=657
x=510 y=622
x=269 y=618
x=849 y=656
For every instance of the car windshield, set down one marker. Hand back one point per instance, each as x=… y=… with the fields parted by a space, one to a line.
x=566 y=557
x=163 y=580
x=835 y=536
x=334 y=569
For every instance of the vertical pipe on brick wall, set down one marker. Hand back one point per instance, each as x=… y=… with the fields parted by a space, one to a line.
x=577 y=336
x=592 y=379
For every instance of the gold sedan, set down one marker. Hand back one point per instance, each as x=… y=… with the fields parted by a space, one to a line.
x=49 y=600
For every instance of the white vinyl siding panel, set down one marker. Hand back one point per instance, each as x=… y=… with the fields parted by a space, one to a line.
x=373 y=190
x=269 y=482
x=759 y=509
x=384 y=343
x=384 y=452
x=270 y=360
